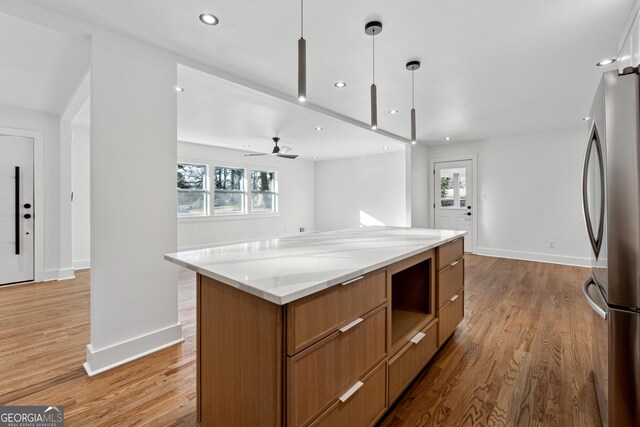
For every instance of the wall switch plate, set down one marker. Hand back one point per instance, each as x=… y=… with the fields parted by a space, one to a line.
x=552 y=244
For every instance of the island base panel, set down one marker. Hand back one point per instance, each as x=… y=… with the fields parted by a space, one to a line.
x=240 y=357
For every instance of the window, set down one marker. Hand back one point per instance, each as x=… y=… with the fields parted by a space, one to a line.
x=193 y=194
x=229 y=192
x=453 y=188
x=263 y=191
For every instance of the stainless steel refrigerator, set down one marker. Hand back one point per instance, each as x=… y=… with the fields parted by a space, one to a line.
x=611 y=199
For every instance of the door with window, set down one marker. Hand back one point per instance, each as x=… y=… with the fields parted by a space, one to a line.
x=16 y=209
x=454 y=198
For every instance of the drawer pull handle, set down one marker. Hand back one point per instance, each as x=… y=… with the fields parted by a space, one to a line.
x=351 y=391
x=418 y=337
x=453 y=298
x=348 y=326
x=348 y=282
x=453 y=264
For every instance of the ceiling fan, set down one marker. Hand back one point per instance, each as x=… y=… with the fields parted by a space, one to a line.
x=277 y=151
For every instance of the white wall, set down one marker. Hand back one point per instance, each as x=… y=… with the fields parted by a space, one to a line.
x=296 y=200
x=134 y=294
x=49 y=126
x=532 y=185
x=368 y=190
x=420 y=212
x=80 y=213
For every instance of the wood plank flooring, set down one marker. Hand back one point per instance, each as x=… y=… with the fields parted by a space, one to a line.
x=520 y=357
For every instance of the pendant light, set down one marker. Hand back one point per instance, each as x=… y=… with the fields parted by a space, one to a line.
x=302 y=59
x=413 y=66
x=373 y=28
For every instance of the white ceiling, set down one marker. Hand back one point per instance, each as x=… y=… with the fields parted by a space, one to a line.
x=40 y=67
x=216 y=112
x=490 y=68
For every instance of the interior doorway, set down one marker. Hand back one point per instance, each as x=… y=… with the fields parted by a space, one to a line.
x=454 y=197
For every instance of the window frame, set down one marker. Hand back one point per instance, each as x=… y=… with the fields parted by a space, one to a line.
x=245 y=206
x=205 y=190
x=275 y=193
x=247 y=213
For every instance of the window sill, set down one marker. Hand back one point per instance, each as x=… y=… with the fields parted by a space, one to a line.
x=205 y=218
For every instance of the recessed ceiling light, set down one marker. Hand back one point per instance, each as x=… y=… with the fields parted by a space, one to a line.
x=246 y=145
x=448 y=138
x=607 y=61
x=385 y=147
x=393 y=111
x=340 y=84
x=315 y=157
x=179 y=89
x=209 y=19
x=318 y=128
x=586 y=118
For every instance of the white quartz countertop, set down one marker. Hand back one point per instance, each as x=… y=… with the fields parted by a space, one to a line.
x=282 y=270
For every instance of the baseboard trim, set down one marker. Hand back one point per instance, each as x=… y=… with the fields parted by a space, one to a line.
x=59 y=274
x=101 y=360
x=536 y=257
x=81 y=264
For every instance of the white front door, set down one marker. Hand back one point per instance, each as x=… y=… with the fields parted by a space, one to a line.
x=16 y=209
x=454 y=198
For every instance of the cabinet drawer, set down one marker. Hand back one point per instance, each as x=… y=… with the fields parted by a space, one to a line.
x=362 y=408
x=450 y=281
x=450 y=316
x=449 y=252
x=411 y=359
x=317 y=376
x=311 y=319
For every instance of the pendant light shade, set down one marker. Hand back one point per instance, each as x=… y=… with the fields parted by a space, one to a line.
x=374 y=28
x=302 y=59
x=413 y=66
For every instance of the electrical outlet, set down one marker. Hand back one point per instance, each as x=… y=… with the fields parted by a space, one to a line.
x=552 y=244
x=302 y=229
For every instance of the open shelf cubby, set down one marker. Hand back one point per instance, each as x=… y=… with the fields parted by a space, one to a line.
x=410 y=293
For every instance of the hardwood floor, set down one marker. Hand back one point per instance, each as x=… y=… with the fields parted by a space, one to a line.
x=520 y=357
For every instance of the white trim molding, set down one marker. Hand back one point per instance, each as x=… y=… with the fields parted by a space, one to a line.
x=103 y=359
x=81 y=264
x=536 y=257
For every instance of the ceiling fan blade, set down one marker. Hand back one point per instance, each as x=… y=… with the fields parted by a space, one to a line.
x=287 y=156
x=256 y=154
x=284 y=149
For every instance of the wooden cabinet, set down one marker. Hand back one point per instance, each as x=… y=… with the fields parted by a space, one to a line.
x=451 y=314
x=362 y=405
x=339 y=357
x=410 y=360
x=318 y=375
x=312 y=318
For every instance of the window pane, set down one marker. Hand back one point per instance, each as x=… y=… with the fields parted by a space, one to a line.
x=453 y=188
x=263 y=202
x=191 y=203
x=191 y=177
x=229 y=179
x=263 y=181
x=226 y=203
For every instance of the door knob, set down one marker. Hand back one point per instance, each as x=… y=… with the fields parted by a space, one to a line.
x=27 y=216
x=469 y=207
x=27 y=205
x=468 y=213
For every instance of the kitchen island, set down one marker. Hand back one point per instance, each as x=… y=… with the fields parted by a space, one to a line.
x=324 y=328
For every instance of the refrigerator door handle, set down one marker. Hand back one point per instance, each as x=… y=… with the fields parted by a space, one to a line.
x=594 y=143
x=585 y=289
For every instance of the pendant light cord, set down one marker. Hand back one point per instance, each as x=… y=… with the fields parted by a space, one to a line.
x=373 y=37
x=301 y=19
x=413 y=90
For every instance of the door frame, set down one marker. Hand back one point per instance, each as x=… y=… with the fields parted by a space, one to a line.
x=474 y=195
x=38 y=196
